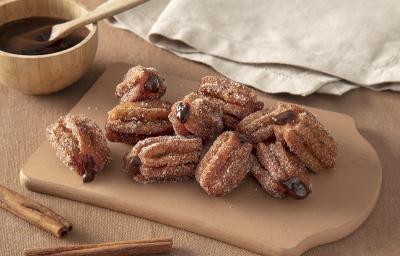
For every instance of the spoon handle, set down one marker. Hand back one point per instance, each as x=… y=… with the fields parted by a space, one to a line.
x=103 y=11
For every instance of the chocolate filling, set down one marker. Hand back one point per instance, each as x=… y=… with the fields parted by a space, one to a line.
x=296 y=188
x=152 y=84
x=88 y=165
x=285 y=117
x=182 y=112
x=132 y=164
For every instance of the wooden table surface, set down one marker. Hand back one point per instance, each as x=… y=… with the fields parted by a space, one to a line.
x=24 y=118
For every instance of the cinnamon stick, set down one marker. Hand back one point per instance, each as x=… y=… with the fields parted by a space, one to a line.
x=33 y=212
x=126 y=248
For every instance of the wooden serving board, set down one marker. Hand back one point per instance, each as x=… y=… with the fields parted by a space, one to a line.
x=341 y=200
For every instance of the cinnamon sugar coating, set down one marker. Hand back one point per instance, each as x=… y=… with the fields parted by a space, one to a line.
x=264 y=178
x=296 y=127
x=196 y=115
x=225 y=165
x=163 y=159
x=141 y=83
x=258 y=126
x=305 y=136
x=80 y=144
x=129 y=122
x=236 y=100
x=279 y=172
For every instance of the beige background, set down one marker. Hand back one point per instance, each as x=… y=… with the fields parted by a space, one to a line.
x=23 y=120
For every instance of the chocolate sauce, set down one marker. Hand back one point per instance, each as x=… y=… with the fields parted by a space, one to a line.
x=28 y=36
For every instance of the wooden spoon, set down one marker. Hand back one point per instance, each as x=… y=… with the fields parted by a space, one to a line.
x=46 y=36
x=105 y=10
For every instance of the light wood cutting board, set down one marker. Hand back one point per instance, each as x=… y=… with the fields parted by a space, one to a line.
x=341 y=200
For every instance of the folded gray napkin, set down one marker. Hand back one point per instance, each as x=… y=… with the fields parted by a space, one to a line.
x=298 y=47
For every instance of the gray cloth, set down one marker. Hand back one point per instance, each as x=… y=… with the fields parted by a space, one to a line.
x=299 y=47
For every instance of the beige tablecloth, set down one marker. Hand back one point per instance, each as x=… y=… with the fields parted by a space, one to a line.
x=297 y=47
x=23 y=120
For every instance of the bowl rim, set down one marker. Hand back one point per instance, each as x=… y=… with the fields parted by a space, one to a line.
x=92 y=33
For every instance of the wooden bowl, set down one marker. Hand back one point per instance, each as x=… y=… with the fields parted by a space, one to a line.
x=44 y=74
